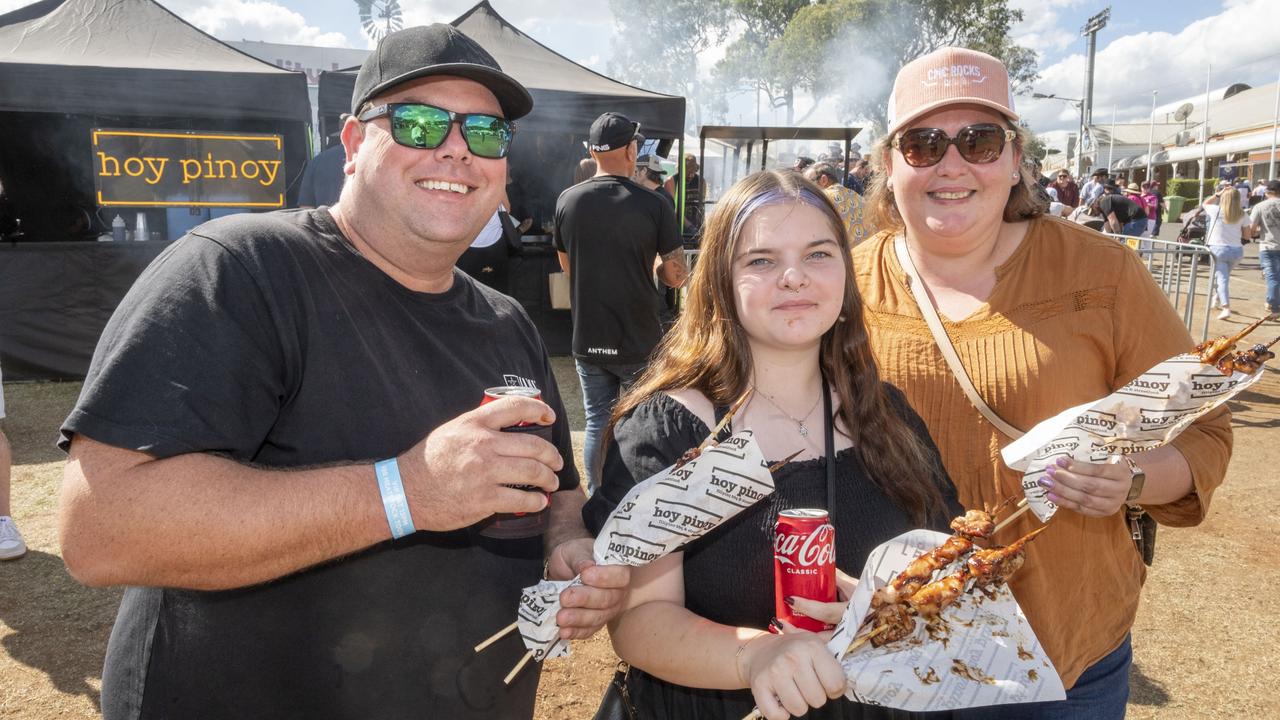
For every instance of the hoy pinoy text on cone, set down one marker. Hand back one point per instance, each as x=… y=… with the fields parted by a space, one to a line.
x=1148 y=412
x=657 y=517
x=982 y=650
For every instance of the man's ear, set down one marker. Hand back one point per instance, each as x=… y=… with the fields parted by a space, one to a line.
x=352 y=138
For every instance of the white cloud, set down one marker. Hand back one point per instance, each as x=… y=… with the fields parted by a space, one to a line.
x=1042 y=28
x=254 y=20
x=1130 y=67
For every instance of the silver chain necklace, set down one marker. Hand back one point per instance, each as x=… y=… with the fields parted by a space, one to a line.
x=804 y=431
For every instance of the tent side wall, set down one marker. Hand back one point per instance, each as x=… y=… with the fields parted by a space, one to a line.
x=152 y=92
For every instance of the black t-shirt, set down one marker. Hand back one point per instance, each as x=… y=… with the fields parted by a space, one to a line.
x=269 y=339
x=728 y=574
x=612 y=230
x=1125 y=209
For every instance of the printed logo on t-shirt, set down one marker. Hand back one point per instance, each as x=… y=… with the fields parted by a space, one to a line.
x=510 y=380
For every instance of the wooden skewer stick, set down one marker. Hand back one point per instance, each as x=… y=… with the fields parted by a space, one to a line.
x=1023 y=506
x=728 y=417
x=1222 y=346
x=784 y=460
x=864 y=639
x=519 y=666
x=497 y=636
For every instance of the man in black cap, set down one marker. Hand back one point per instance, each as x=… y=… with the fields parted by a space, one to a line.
x=280 y=445
x=611 y=233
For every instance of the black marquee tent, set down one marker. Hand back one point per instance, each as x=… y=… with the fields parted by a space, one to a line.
x=67 y=66
x=135 y=58
x=566 y=95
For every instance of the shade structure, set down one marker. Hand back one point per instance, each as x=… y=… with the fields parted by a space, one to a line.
x=135 y=58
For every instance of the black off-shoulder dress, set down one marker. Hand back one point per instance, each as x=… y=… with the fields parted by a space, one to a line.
x=728 y=575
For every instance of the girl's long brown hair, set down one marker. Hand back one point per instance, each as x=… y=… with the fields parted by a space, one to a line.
x=707 y=351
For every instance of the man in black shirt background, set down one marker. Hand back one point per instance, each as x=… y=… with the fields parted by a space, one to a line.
x=611 y=233
x=282 y=394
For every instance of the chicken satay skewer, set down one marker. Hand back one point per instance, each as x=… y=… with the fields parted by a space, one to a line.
x=1211 y=351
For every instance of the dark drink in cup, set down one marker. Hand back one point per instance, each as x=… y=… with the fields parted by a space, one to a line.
x=804 y=563
x=513 y=526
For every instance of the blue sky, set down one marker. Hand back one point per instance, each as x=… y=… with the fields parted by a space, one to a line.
x=1160 y=46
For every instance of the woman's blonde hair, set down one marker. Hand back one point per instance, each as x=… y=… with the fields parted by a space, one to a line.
x=1232 y=212
x=1026 y=199
x=707 y=349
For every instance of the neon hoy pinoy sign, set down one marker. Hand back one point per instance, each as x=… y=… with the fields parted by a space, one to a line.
x=148 y=168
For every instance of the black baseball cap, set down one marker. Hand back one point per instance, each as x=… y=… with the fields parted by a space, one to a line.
x=611 y=131
x=1100 y=171
x=438 y=49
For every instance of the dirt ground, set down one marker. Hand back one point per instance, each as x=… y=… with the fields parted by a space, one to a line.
x=1205 y=643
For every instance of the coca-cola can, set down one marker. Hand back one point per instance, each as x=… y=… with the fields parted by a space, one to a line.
x=497 y=393
x=512 y=526
x=804 y=563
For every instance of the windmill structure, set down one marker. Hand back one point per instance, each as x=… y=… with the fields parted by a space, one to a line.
x=379 y=18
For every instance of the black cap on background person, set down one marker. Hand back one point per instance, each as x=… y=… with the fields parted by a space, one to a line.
x=438 y=49
x=611 y=131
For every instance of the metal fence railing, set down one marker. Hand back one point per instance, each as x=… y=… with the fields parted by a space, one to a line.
x=1185 y=272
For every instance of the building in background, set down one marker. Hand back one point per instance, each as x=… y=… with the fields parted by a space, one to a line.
x=306 y=59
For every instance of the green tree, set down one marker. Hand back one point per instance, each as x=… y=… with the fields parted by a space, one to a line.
x=866 y=42
x=755 y=62
x=657 y=46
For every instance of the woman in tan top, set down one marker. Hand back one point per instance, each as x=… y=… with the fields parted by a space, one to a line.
x=1044 y=315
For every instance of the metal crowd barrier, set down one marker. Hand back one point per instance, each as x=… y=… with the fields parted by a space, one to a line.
x=1185 y=272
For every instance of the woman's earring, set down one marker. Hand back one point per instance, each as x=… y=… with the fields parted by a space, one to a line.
x=842 y=318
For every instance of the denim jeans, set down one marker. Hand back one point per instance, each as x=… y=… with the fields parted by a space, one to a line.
x=1134 y=228
x=1101 y=693
x=1270 y=261
x=601 y=386
x=1227 y=258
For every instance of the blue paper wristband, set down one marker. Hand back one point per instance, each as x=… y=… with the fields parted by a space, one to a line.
x=393 y=500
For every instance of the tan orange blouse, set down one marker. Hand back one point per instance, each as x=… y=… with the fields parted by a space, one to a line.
x=1073 y=316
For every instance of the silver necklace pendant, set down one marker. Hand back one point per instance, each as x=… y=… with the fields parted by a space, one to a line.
x=804 y=431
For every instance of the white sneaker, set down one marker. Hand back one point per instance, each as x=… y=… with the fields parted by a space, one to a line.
x=11 y=545
x=1226 y=313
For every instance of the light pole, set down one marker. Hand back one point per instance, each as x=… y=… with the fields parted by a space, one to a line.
x=1079 y=103
x=1151 y=131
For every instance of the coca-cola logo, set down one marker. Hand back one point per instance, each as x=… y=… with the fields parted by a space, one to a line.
x=816 y=548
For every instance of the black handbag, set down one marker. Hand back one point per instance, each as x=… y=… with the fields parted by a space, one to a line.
x=616 y=703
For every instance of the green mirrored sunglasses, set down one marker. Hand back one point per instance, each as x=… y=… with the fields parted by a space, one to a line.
x=418 y=125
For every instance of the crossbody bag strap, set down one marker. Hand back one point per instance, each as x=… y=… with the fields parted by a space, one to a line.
x=943 y=341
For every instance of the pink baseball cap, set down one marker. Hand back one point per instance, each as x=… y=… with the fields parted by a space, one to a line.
x=949 y=76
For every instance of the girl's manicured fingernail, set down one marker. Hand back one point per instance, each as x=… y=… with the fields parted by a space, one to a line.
x=789 y=600
x=775 y=627
x=1045 y=483
x=1064 y=462
x=1052 y=498
x=1051 y=470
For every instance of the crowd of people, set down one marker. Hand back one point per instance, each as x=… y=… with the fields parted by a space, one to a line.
x=282 y=447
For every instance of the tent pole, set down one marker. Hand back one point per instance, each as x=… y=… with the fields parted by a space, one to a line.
x=684 y=181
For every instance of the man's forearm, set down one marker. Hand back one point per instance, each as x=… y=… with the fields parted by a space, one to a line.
x=565 y=521
x=205 y=522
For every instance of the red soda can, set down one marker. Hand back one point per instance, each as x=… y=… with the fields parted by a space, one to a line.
x=511 y=526
x=497 y=393
x=804 y=563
